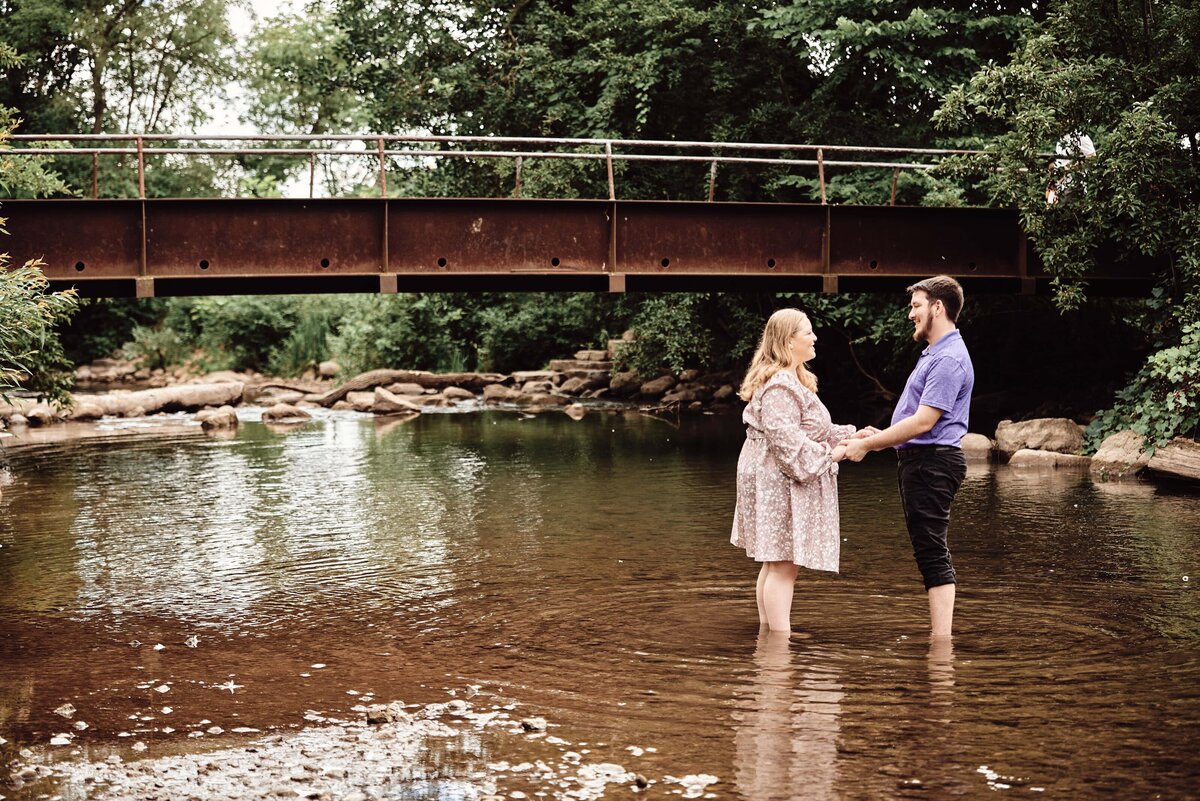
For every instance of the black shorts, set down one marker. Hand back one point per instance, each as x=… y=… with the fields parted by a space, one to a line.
x=930 y=476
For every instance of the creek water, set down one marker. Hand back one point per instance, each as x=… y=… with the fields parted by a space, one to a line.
x=582 y=571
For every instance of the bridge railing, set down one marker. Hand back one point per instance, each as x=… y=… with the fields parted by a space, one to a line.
x=382 y=148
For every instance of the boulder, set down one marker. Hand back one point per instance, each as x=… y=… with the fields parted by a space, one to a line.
x=976 y=446
x=1121 y=455
x=361 y=401
x=624 y=384
x=42 y=415
x=580 y=384
x=1029 y=457
x=530 y=387
x=276 y=395
x=689 y=375
x=546 y=399
x=225 y=377
x=683 y=396
x=17 y=419
x=575 y=411
x=725 y=392
x=285 y=413
x=1179 y=458
x=1056 y=434
x=217 y=419
x=328 y=369
x=592 y=356
x=656 y=386
x=86 y=410
x=524 y=376
x=566 y=365
x=388 y=713
x=494 y=393
x=342 y=406
x=385 y=402
x=406 y=388
x=458 y=393
x=615 y=346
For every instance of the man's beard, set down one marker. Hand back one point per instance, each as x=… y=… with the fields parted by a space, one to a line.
x=921 y=333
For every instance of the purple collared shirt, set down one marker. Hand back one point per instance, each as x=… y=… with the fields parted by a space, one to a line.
x=943 y=379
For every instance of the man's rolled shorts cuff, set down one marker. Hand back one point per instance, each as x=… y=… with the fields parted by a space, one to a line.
x=939 y=580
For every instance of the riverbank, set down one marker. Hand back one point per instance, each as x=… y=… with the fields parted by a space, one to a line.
x=457 y=749
x=575 y=387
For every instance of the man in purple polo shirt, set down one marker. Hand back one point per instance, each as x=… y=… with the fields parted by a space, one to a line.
x=926 y=431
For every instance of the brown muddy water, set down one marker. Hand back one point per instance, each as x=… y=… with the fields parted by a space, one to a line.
x=177 y=589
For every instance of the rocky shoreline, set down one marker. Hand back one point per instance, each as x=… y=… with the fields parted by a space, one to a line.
x=587 y=382
x=384 y=753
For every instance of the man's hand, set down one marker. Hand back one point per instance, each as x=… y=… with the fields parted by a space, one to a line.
x=856 y=449
x=868 y=431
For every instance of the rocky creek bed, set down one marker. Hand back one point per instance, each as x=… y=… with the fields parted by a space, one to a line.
x=458 y=749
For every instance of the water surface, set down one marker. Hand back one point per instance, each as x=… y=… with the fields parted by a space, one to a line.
x=582 y=571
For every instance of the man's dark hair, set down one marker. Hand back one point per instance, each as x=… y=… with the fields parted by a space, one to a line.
x=943 y=288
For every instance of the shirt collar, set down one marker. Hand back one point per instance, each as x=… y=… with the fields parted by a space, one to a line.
x=942 y=343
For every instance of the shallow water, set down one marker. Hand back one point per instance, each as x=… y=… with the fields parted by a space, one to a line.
x=582 y=570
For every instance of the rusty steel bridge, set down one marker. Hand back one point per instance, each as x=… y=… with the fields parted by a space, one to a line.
x=145 y=247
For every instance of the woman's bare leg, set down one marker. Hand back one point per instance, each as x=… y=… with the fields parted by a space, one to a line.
x=777 y=595
x=758 y=596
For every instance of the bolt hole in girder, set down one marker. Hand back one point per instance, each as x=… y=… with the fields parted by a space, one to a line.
x=204 y=264
x=79 y=266
x=665 y=263
x=554 y=262
x=441 y=262
x=874 y=265
x=770 y=264
x=325 y=264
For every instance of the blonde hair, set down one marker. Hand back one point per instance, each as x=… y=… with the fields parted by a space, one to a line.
x=773 y=354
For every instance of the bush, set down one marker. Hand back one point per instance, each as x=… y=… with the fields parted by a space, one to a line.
x=31 y=356
x=156 y=347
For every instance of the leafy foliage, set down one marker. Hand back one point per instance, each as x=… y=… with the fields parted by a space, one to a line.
x=1124 y=74
x=31 y=356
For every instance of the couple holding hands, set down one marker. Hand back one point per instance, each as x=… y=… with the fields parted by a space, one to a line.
x=787 y=504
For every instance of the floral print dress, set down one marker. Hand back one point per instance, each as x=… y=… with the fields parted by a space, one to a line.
x=787 y=504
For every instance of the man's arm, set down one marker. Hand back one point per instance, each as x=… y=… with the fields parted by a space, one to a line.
x=924 y=419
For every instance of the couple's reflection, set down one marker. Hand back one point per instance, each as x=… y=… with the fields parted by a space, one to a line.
x=788 y=720
x=788 y=723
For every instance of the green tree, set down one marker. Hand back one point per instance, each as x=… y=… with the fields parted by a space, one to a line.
x=1123 y=74
x=98 y=67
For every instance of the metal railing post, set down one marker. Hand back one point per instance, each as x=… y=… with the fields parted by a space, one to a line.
x=141 y=157
x=821 y=173
x=95 y=176
x=382 y=170
x=312 y=173
x=712 y=182
x=517 y=186
x=895 y=176
x=608 y=157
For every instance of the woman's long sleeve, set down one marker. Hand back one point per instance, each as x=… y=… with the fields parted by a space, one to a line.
x=799 y=457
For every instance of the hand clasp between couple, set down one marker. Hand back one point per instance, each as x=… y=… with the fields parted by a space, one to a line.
x=852 y=448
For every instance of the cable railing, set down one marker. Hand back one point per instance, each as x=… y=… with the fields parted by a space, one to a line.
x=384 y=147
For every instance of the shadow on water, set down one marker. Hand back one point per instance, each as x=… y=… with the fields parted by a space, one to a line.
x=582 y=571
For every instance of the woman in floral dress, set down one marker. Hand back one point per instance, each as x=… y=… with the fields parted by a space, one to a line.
x=787 y=505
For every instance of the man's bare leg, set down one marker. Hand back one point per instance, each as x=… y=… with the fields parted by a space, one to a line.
x=941 y=609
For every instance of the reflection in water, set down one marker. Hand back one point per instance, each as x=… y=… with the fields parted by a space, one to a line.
x=787 y=725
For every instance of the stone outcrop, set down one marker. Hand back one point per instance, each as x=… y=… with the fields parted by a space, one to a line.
x=406 y=388
x=285 y=413
x=625 y=384
x=1179 y=458
x=1028 y=457
x=1121 y=455
x=976 y=446
x=575 y=411
x=656 y=386
x=1056 y=434
x=217 y=419
x=328 y=369
x=458 y=393
x=385 y=402
x=378 y=378
x=183 y=397
x=42 y=415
